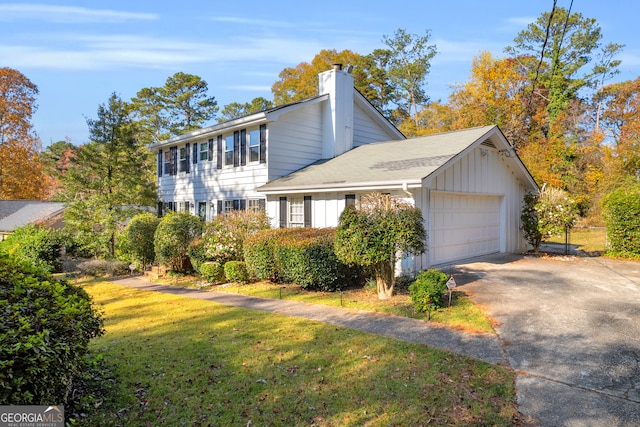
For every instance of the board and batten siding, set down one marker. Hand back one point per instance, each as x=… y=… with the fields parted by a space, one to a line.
x=294 y=141
x=482 y=171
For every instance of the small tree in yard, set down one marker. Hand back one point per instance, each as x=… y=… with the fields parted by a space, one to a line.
x=550 y=213
x=377 y=233
x=172 y=238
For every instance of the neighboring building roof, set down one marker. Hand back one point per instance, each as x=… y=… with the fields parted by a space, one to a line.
x=396 y=163
x=32 y=212
x=7 y=207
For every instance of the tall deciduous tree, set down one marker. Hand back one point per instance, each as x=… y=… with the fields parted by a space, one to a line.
x=21 y=175
x=109 y=180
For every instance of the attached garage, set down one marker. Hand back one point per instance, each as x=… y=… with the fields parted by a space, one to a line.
x=463 y=226
x=469 y=185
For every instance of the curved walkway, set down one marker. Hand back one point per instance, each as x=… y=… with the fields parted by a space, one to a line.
x=485 y=347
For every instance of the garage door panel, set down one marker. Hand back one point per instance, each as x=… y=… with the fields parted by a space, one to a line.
x=463 y=226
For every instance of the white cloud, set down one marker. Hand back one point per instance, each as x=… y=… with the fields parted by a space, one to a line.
x=67 y=14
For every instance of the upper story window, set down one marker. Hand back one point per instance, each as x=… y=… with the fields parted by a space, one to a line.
x=184 y=166
x=228 y=150
x=167 y=162
x=204 y=151
x=254 y=145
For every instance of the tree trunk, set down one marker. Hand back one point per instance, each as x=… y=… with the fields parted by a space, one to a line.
x=385 y=279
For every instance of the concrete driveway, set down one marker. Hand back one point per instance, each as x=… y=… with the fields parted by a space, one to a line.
x=571 y=329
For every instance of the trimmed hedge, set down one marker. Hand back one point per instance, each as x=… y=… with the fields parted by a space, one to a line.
x=621 y=209
x=45 y=331
x=35 y=245
x=212 y=272
x=236 y=271
x=304 y=256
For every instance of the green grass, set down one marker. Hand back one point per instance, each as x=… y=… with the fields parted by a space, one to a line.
x=461 y=315
x=588 y=239
x=181 y=361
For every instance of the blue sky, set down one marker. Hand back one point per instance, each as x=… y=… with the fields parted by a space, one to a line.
x=79 y=52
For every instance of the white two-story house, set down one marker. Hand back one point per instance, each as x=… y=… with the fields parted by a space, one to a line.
x=218 y=168
x=304 y=162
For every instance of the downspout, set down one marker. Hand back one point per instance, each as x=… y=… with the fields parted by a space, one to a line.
x=405 y=189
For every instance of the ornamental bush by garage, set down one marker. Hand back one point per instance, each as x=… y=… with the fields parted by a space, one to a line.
x=46 y=327
x=427 y=290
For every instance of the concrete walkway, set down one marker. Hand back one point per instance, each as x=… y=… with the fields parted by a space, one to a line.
x=485 y=347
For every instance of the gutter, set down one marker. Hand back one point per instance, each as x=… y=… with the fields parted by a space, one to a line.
x=337 y=186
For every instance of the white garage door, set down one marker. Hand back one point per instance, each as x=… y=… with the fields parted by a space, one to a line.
x=463 y=226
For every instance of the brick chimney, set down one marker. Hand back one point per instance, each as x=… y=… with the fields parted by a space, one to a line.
x=337 y=116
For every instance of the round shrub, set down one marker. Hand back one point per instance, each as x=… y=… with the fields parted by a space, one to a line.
x=224 y=236
x=428 y=289
x=212 y=272
x=46 y=327
x=236 y=271
x=173 y=237
x=197 y=253
x=136 y=241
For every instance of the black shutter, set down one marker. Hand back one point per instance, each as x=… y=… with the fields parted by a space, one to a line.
x=173 y=154
x=283 y=212
x=243 y=205
x=187 y=153
x=160 y=204
x=243 y=147
x=349 y=199
x=219 y=153
x=219 y=207
x=307 y=211
x=160 y=160
x=194 y=156
x=236 y=149
x=210 y=153
x=263 y=143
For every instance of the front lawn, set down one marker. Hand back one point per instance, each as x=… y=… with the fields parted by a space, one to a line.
x=181 y=361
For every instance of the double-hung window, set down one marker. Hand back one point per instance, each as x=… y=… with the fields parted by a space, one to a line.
x=183 y=159
x=254 y=145
x=296 y=212
x=167 y=162
x=204 y=151
x=228 y=151
x=256 y=205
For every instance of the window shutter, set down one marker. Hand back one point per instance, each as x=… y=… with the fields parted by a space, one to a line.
x=307 y=211
x=174 y=160
x=283 y=212
x=219 y=207
x=210 y=154
x=160 y=160
x=243 y=147
x=194 y=155
x=236 y=149
x=243 y=205
x=219 y=153
x=187 y=153
x=349 y=200
x=263 y=143
x=160 y=204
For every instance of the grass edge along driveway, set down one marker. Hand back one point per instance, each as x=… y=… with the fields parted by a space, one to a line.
x=181 y=361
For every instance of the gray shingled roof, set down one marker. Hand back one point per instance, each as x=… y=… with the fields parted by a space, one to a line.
x=407 y=161
x=30 y=213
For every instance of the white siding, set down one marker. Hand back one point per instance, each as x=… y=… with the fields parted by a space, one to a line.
x=366 y=130
x=294 y=141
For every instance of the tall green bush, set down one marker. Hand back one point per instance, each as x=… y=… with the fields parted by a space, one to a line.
x=621 y=210
x=35 y=245
x=136 y=240
x=46 y=327
x=172 y=238
x=258 y=252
